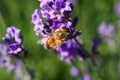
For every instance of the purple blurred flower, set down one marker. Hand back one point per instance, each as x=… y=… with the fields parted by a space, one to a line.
x=3 y=49
x=18 y=70
x=6 y=60
x=10 y=63
x=13 y=39
x=19 y=73
x=74 y=71
x=10 y=46
x=106 y=31
x=117 y=9
x=87 y=77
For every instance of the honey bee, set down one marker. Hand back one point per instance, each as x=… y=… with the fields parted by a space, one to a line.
x=58 y=36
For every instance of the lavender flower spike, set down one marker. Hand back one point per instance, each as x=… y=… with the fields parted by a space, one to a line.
x=13 y=39
x=117 y=9
x=74 y=71
x=10 y=46
x=87 y=77
x=106 y=31
x=57 y=29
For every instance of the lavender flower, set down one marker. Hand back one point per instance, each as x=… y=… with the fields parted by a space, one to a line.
x=58 y=22
x=117 y=9
x=5 y=62
x=58 y=31
x=51 y=10
x=18 y=67
x=74 y=71
x=106 y=31
x=10 y=46
x=20 y=74
x=87 y=77
x=5 y=58
x=13 y=39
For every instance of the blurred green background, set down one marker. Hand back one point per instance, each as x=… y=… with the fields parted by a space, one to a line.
x=47 y=65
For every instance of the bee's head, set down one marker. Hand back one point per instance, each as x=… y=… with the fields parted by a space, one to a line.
x=61 y=34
